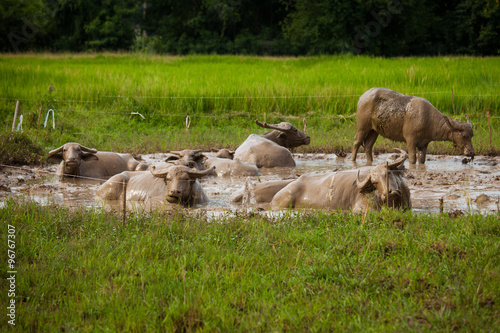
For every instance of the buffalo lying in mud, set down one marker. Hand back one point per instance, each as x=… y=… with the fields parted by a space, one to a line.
x=409 y=119
x=262 y=192
x=173 y=183
x=230 y=168
x=358 y=189
x=187 y=157
x=270 y=149
x=225 y=167
x=79 y=161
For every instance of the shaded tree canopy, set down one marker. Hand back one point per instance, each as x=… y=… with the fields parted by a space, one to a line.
x=259 y=27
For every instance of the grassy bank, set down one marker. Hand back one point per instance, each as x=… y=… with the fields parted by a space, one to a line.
x=97 y=98
x=390 y=271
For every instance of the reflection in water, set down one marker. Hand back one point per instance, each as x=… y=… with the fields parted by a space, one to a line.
x=468 y=187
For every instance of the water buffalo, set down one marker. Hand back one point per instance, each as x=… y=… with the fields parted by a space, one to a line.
x=79 y=161
x=358 y=189
x=285 y=134
x=409 y=119
x=230 y=168
x=270 y=149
x=224 y=153
x=187 y=157
x=173 y=183
x=262 y=192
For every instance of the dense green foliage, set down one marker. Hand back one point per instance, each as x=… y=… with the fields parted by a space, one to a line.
x=390 y=271
x=258 y=27
x=95 y=96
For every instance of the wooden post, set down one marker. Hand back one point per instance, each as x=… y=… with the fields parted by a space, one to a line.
x=38 y=125
x=188 y=123
x=387 y=182
x=265 y=116
x=452 y=102
x=489 y=124
x=441 y=205
x=124 y=200
x=15 y=116
x=304 y=125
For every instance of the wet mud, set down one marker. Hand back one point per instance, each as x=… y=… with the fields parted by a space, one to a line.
x=445 y=182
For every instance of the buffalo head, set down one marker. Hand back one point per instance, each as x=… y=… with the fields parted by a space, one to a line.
x=285 y=134
x=187 y=157
x=225 y=153
x=461 y=135
x=179 y=180
x=72 y=154
x=385 y=181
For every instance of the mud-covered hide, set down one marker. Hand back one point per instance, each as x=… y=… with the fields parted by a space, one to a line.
x=409 y=119
x=187 y=157
x=80 y=161
x=356 y=190
x=232 y=168
x=263 y=153
x=176 y=184
x=262 y=192
x=284 y=134
x=224 y=153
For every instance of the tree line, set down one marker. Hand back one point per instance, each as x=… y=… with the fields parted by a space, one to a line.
x=256 y=27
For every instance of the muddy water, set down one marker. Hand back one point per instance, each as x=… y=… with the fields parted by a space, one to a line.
x=463 y=187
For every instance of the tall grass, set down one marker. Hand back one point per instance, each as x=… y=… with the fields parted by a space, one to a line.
x=389 y=271
x=94 y=95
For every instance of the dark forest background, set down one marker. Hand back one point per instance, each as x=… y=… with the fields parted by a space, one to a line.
x=257 y=27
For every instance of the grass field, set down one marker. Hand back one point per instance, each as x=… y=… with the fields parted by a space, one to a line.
x=94 y=95
x=389 y=271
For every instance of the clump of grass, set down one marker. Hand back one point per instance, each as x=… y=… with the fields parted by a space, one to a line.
x=85 y=270
x=18 y=149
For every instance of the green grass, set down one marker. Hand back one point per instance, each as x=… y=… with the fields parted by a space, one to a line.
x=388 y=271
x=94 y=96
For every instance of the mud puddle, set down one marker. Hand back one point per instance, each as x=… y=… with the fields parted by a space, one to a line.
x=462 y=187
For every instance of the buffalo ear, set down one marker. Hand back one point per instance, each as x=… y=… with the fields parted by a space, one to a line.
x=89 y=157
x=58 y=157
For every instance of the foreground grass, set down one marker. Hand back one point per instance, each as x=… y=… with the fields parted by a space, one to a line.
x=390 y=271
x=95 y=96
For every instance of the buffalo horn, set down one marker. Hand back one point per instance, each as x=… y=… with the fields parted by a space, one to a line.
x=468 y=120
x=161 y=173
x=363 y=185
x=279 y=127
x=193 y=173
x=400 y=160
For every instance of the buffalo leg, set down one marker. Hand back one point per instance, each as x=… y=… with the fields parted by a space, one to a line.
x=369 y=142
x=359 y=138
x=412 y=152
x=422 y=154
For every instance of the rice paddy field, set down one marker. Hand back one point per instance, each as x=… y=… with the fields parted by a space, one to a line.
x=86 y=269
x=143 y=103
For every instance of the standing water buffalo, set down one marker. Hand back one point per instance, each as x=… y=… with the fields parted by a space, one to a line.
x=173 y=183
x=79 y=161
x=409 y=119
x=358 y=189
x=270 y=149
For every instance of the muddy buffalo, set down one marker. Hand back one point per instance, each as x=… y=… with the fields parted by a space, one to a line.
x=79 y=161
x=173 y=183
x=409 y=119
x=271 y=148
x=358 y=189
